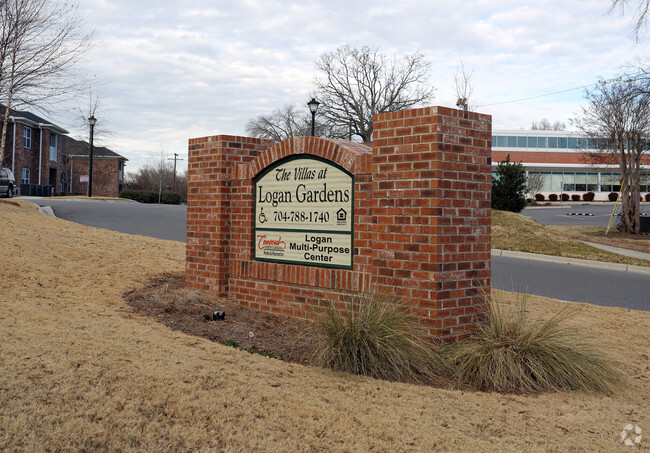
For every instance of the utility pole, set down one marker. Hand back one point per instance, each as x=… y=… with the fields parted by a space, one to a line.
x=175 y=159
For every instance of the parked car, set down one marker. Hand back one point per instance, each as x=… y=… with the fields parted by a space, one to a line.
x=7 y=182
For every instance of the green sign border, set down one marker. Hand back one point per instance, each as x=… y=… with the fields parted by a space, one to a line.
x=272 y=167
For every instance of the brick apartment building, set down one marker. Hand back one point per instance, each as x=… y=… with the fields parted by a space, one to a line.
x=41 y=155
x=108 y=169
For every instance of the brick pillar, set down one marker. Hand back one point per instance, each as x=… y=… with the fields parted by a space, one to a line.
x=431 y=214
x=211 y=163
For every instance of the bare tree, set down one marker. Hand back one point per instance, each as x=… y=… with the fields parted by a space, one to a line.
x=464 y=87
x=279 y=125
x=157 y=175
x=101 y=131
x=102 y=182
x=545 y=125
x=640 y=17
x=618 y=115
x=290 y=122
x=534 y=183
x=40 y=43
x=354 y=84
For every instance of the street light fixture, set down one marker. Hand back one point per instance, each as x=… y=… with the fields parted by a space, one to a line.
x=313 y=106
x=92 y=121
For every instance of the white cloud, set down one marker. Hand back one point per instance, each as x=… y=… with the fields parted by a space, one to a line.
x=177 y=70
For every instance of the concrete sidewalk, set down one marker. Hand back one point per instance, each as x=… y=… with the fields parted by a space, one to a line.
x=575 y=261
x=620 y=251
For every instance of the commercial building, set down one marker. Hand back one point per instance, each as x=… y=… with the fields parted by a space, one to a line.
x=564 y=160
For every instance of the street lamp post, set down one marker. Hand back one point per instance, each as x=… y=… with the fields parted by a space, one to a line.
x=313 y=106
x=92 y=122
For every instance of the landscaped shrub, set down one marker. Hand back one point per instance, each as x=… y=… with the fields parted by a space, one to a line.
x=647 y=197
x=509 y=186
x=150 y=196
x=552 y=197
x=373 y=335
x=171 y=198
x=509 y=353
x=575 y=197
x=141 y=196
x=589 y=196
x=565 y=197
x=612 y=196
x=539 y=197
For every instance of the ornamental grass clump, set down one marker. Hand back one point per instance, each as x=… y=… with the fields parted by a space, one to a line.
x=512 y=354
x=374 y=335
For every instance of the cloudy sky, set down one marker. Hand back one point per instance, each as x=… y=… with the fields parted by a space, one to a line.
x=170 y=70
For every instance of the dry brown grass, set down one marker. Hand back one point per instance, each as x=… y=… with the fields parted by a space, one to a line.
x=638 y=242
x=79 y=370
x=512 y=231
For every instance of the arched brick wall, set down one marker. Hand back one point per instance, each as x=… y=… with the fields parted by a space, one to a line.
x=421 y=219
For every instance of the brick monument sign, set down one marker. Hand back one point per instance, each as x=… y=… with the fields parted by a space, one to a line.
x=279 y=227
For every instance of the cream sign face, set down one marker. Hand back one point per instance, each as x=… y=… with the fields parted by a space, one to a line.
x=303 y=213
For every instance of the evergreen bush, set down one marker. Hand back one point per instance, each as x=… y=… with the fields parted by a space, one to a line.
x=509 y=186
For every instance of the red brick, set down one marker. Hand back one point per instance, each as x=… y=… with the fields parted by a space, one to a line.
x=416 y=225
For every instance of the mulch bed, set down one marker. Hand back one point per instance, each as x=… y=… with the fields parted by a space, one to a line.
x=168 y=301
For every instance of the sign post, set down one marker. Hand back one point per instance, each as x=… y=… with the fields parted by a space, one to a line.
x=304 y=213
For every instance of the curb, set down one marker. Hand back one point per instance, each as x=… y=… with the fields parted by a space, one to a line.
x=572 y=261
x=47 y=210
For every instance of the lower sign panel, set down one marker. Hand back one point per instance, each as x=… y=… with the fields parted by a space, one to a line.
x=299 y=247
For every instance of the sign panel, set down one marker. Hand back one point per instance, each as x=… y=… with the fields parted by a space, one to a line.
x=304 y=213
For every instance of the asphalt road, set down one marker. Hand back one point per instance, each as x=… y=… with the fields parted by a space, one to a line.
x=158 y=221
x=607 y=288
x=578 y=214
x=558 y=281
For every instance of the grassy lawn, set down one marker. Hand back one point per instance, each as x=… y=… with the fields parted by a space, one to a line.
x=512 y=231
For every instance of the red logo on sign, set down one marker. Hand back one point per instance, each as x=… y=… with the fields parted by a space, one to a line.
x=262 y=242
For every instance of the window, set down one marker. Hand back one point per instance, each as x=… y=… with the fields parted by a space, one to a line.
x=547 y=181
x=573 y=142
x=541 y=142
x=556 y=182
x=592 y=182
x=609 y=182
x=53 y=146
x=562 y=142
x=27 y=137
x=120 y=171
x=25 y=178
x=645 y=183
x=512 y=142
x=522 y=142
x=501 y=141
x=552 y=142
x=532 y=142
x=569 y=180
